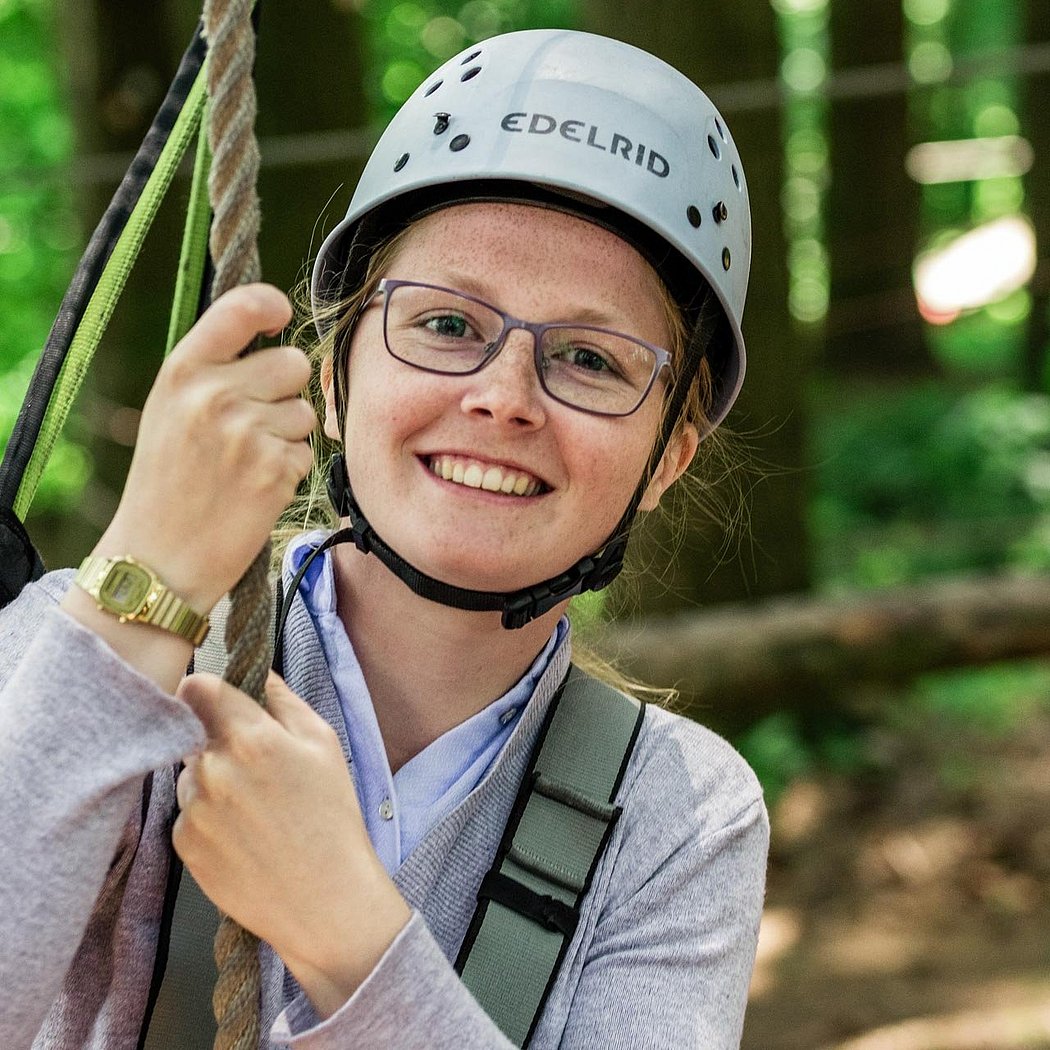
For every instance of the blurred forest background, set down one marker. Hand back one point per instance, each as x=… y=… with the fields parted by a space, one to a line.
x=868 y=617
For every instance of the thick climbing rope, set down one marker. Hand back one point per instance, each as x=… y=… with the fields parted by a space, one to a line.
x=235 y=257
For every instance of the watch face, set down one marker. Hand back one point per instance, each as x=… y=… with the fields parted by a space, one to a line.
x=125 y=588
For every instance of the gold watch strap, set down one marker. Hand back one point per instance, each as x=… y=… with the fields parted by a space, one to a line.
x=159 y=606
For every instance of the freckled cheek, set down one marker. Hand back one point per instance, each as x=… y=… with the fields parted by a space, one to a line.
x=609 y=460
x=388 y=408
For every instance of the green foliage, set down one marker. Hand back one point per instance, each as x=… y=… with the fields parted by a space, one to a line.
x=994 y=700
x=784 y=746
x=928 y=480
x=38 y=226
x=775 y=750
x=407 y=39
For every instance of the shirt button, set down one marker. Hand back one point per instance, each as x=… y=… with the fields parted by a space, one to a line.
x=386 y=809
x=508 y=715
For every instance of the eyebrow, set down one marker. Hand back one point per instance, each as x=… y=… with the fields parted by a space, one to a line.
x=584 y=315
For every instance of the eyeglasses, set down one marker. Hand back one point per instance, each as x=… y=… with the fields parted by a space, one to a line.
x=592 y=369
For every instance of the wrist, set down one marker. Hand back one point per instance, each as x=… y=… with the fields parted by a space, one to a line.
x=191 y=585
x=330 y=968
x=128 y=589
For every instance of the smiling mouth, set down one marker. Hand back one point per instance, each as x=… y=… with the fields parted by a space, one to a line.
x=461 y=470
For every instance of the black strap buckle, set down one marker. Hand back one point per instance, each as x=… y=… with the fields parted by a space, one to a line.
x=548 y=912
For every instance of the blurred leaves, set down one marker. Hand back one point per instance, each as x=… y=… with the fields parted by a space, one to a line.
x=39 y=232
x=928 y=480
x=407 y=39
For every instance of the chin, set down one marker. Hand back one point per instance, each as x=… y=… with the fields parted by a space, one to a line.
x=481 y=570
x=482 y=578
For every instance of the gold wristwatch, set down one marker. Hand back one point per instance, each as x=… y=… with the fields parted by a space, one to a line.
x=133 y=593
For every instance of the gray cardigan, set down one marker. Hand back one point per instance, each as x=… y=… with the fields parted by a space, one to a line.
x=661 y=957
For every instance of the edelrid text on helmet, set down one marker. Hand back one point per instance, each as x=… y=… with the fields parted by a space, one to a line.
x=578 y=131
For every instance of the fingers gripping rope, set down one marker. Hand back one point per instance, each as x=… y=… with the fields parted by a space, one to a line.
x=235 y=256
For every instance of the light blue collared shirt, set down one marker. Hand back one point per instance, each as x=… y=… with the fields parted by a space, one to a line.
x=400 y=808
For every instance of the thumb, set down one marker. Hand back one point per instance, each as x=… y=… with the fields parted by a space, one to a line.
x=234 y=320
x=288 y=708
x=222 y=708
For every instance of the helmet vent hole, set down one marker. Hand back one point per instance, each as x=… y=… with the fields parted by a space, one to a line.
x=721 y=130
x=713 y=145
x=401 y=162
x=433 y=87
x=736 y=177
x=471 y=73
x=727 y=259
x=459 y=142
x=470 y=57
x=692 y=213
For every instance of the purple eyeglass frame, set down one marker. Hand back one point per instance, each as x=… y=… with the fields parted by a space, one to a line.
x=388 y=285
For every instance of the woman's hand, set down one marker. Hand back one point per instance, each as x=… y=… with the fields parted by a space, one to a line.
x=271 y=829
x=220 y=451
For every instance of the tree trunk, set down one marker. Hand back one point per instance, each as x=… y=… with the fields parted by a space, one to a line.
x=727 y=43
x=873 y=210
x=737 y=664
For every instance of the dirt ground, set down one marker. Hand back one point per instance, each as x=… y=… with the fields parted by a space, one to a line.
x=909 y=908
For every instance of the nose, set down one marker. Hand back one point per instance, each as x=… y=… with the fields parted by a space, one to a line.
x=507 y=390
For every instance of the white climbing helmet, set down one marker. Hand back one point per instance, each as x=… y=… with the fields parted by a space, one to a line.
x=580 y=122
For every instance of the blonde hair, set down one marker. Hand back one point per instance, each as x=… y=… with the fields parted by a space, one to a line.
x=312 y=509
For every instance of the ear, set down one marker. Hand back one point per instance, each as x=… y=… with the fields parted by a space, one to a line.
x=331 y=417
x=677 y=456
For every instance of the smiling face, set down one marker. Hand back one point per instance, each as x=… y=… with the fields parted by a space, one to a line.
x=482 y=480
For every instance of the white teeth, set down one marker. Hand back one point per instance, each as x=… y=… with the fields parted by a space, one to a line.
x=489 y=478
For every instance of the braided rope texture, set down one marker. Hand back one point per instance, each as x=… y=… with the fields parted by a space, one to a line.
x=235 y=256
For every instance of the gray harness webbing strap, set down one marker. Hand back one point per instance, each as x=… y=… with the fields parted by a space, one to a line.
x=529 y=903
x=182 y=1015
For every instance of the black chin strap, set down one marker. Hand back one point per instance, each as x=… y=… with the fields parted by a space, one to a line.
x=518 y=607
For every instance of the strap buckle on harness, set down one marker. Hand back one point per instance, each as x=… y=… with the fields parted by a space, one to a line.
x=548 y=912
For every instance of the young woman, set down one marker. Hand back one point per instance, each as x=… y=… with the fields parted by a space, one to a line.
x=529 y=319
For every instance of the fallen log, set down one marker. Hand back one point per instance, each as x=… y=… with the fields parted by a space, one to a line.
x=736 y=663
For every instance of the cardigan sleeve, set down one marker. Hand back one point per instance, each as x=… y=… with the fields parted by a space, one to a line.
x=79 y=729
x=663 y=956
x=670 y=967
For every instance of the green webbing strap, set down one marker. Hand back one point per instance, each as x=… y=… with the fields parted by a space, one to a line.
x=193 y=257
x=529 y=902
x=104 y=298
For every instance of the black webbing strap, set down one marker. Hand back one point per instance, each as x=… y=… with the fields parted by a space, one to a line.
x=529 y=902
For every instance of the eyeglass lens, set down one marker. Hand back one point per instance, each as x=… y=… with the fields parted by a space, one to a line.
x=587 y=368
